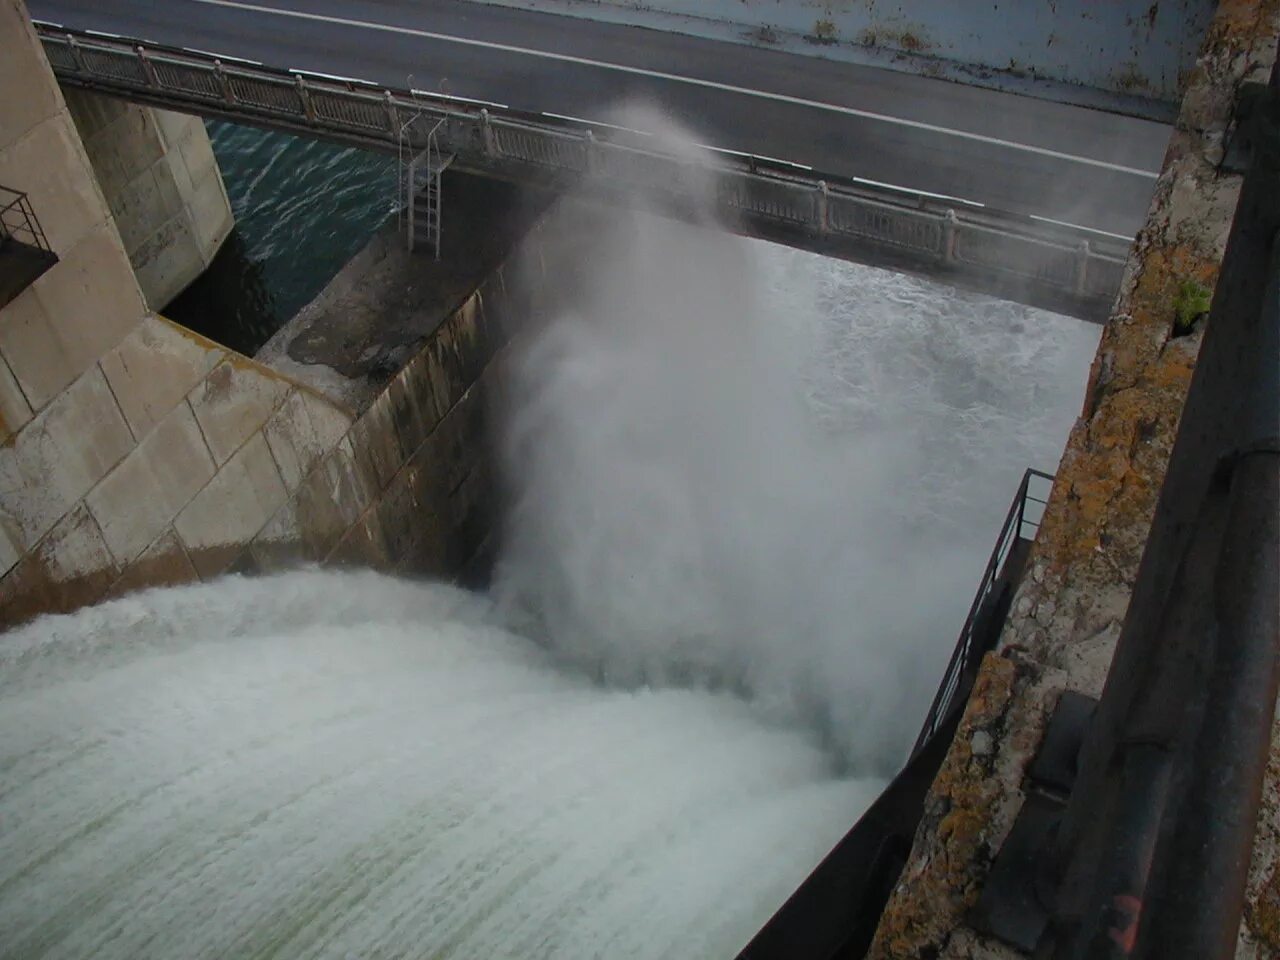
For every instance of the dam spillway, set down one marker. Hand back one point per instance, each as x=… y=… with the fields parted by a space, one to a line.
x=341 y=764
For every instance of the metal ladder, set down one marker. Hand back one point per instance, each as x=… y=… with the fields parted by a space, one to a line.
x=422 y=196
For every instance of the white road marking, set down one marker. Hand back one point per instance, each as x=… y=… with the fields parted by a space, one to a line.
x=754 y=156
x=334 y=76
x=918 y=193
x=692 y=81
x=596 y=123
x=460 y=99
x=217 y=56
x=1075 y=226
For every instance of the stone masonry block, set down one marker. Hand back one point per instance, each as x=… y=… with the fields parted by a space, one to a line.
x=33 y=350
x=10 y=552
x=280 y=544
x=167 y=261
x=155 y=367
x=136 y=501
x=163 y=564
x=235 y=505
x=210 y=211
x=91 y=297
x=233 y=402
x=141 y=206
x=59 y=456
x=176 y=127
x=23 y=67
x=301 y=431
x=375 y=439
x=198 y=157
x=70 y=568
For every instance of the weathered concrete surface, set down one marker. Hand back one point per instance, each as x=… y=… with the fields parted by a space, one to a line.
x=408 y=345
x=162 y=183
x=1129 y=48
x=131 y=451
x=379 y=310
x=1067 y=613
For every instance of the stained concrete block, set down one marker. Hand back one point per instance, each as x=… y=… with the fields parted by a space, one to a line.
x=231 y=509
x=136 y=501
x=362 y=546
x=82 y=307
x=14 y=409
x=375 y=439
x=210 y=211
x=69 y=569
x=176 y=127
x=154 y=368
x=165 y=261
x=21 y=59
x=60 y=455
x=301 y=431
x=91 y=296
x=141 y=160
x=234 y=401
x=163 y=564
x=33 y=349
x=10 y=551
x=199 y=160
x=50 y=166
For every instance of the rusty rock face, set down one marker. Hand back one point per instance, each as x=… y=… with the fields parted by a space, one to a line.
x=1067 y=614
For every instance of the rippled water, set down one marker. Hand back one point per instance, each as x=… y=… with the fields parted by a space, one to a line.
x=303 y=208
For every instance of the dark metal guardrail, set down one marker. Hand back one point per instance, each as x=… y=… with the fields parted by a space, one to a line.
x=18 y=221
x=1066 y=268
x=834 y=913
x=24 y=249
x=999 y=579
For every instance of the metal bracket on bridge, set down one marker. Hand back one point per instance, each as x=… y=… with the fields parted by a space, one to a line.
x=1017 y=900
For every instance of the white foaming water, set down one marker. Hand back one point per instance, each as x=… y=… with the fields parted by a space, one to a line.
x=744 y=467
x=346 y=765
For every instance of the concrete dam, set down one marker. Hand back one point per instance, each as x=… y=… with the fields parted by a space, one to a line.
x=572 y=581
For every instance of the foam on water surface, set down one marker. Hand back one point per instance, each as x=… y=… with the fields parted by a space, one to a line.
x=346 y=765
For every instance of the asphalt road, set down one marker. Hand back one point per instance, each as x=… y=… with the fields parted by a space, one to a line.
x=1016 y=153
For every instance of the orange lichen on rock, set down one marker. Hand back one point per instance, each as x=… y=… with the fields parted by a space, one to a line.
x=1068 y=610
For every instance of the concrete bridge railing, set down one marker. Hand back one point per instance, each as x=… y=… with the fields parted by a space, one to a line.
x=1065 y=268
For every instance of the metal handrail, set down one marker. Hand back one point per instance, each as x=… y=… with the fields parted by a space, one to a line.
x=1017 y=526
x=1079 y=268
x=18 y=220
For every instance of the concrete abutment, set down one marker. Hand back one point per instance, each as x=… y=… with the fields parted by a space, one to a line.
x=160 y=178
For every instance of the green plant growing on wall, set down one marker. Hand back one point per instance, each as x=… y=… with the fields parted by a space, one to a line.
x=824 y=31
x=1191 y=303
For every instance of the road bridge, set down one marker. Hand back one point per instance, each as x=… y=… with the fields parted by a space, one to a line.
x=1034 y=257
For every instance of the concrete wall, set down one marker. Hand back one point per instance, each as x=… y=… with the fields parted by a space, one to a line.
x=162 y=183
x=1067 y=613
x=1122 y=46
x=134 y=452
x=411 y=487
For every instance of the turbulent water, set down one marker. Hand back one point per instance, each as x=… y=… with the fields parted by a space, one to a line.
x=746 y=467
x=350 y=766
x=751 y=493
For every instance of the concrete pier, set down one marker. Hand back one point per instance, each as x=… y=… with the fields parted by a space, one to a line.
x=158 y=174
